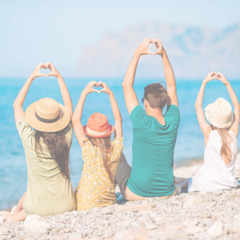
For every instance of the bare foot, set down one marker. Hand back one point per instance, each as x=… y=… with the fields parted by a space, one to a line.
x=3 y=216
x=10 y=218
x=14 y=210
x=19 y=216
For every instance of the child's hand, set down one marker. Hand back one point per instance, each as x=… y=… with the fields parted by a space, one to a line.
x=222 y=78
x=90 y=87
x=105 y=88
x=210 y=76
x=37 y=73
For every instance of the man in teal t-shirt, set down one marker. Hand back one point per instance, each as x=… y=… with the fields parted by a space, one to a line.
x=154 y=133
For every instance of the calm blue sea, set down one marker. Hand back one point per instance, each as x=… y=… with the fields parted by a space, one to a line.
x=13 y=174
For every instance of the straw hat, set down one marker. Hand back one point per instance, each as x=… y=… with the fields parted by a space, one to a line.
x=219 y=113
x=98 y=126
x=47 y=115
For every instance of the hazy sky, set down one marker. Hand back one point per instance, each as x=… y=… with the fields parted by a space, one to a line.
x=57 y=31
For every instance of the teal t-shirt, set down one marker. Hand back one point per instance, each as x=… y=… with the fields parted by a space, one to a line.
x=152 y=153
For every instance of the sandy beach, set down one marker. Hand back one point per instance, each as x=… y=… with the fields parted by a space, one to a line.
x=187 y=216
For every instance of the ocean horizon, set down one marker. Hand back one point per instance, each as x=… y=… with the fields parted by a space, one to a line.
x=13 y=169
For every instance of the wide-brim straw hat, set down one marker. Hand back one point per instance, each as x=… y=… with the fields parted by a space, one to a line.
x=98 y=126
x=219 y=113
x=47 y=115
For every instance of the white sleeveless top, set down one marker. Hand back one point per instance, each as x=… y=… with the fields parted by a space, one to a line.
x=215 y=174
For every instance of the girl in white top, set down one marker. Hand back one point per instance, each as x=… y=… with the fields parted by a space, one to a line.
x=220 y=141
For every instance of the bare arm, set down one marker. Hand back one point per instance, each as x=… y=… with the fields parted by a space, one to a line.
x=63 y=88
x=235 y=102
x=168 y=72
x=205 y=127
x=18 y=103
x=129 y=93
x=77 y=115
x=115 y=109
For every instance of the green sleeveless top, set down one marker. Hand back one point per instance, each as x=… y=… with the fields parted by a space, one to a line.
x=48 y=192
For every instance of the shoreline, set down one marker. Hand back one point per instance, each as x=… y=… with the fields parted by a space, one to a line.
x=184 y=169
x=184 y=217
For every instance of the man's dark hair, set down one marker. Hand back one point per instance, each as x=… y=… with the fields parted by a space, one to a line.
x=156 y=95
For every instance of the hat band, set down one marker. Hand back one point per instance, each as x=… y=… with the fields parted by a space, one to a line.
x=46 y=120
x=89 y=131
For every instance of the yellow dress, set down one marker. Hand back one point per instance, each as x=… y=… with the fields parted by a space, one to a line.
x=95 y=188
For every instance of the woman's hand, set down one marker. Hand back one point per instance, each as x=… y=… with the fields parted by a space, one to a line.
x=54 y=72
x=37 y=73
x=209 y=77
x=105 y=88
x=222 y=78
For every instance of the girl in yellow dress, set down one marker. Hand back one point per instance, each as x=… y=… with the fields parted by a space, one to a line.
x=101 y=156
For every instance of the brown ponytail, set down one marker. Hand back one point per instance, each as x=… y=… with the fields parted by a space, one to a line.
x=104 y=144
x=58 y=148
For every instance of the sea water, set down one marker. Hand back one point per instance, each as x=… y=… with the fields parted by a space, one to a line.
x=13 y=172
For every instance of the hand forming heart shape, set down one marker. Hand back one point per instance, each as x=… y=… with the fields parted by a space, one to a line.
x=53 y=71
x=47 y=67
x=146 y=48
x=152 y=48
x=100 y=87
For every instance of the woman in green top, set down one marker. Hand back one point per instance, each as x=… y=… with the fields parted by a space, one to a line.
x=46 y=133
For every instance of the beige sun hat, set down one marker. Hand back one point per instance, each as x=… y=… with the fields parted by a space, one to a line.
x=47 y=115
x=219 y=113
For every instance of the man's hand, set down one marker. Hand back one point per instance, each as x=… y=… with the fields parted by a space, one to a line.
x=159 y=46
x=143 y=48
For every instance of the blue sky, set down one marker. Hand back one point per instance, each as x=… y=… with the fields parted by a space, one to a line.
x=57 y=31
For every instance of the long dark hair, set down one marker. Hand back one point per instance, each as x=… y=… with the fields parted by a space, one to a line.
x=58 y=148
x=104 y=144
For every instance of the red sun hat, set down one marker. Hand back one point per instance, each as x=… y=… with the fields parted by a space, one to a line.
x=98 y=126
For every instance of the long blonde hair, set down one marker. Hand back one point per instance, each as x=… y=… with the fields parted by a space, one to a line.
x=226 y=151
x=104 y=144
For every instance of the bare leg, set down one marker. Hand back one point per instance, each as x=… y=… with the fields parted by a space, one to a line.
x=184 y=185
x=122 y=174
x=20 y=216
x=19 y=206
x=179 y=180
x=18 y=213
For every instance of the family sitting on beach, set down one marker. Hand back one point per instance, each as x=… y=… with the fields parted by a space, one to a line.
x=46 y=131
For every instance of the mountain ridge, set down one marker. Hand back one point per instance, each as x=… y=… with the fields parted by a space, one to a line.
x=193 y=51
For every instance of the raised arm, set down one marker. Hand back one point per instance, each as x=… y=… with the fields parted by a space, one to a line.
x=168 y=72
x=77 y=115
x=129 y=93
x=235 y=102
x=18 y=103
x=63 y=88
x=115 y=109
x=205 y=127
